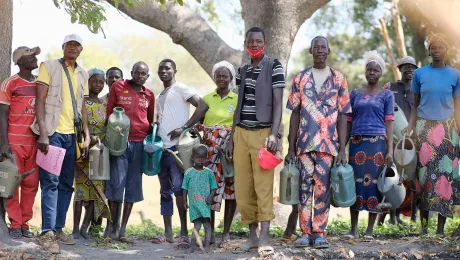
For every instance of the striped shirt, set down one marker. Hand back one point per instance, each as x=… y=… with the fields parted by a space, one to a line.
x=248 y=111
x=19 y=95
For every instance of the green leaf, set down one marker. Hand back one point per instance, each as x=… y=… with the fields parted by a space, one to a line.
x=180 y=2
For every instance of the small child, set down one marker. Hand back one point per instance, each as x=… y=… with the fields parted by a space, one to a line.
x=200 y=185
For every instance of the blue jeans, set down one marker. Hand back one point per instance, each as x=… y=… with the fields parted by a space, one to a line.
x=170 y=178
x=57 y=190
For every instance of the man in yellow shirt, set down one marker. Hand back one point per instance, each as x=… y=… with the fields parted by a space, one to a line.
x=56 y=125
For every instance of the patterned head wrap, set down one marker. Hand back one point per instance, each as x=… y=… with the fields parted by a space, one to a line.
x=95 y=71
x=229 y=66
x=437 y=37
x=374 y=56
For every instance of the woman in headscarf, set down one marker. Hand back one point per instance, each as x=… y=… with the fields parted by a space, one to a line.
x=371 y=143
x=436 y=89
x=217 y=124
x=91 y=193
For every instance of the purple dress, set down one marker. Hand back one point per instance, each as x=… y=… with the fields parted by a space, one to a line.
x=368 y=145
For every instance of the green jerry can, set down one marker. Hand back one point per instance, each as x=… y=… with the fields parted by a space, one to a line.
x=227 y=167
x=99 y=162
x=185 y=144
x=343 y=185
x=116 y=138
x=151 y=157
x=289 y=184
x=8 y=176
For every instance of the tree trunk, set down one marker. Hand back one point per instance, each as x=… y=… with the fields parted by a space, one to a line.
x=400 y=43
x=386 y=39
x=6 y=32
x=280 y=19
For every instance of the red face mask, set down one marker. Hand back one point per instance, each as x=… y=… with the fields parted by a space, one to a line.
x=255 y=54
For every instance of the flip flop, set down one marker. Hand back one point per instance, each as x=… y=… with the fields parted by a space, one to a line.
x=265 y=251
x=223 y=243
x=349 y=236
x=289 y=239
x=160 y=239
x=126 y=240
x=320 y=243
x=248 y=245
x=183 y=241
x=368 y=238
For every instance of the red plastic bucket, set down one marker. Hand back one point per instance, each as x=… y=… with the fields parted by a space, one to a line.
x=267 y=160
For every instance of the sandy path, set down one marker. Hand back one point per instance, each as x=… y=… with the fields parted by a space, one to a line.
x=403 y=248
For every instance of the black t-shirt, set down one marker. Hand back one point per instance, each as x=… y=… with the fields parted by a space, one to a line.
x=404 y=98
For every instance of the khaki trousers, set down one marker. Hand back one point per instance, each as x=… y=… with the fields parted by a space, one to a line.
x=253 y=185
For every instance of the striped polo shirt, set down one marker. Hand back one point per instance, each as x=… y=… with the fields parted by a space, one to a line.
x=19 y=94
x=248 y=110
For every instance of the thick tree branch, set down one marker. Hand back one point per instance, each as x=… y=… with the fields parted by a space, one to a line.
x=186 y=28
x=6 y=32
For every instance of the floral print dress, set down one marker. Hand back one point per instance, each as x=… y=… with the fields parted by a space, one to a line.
x=87 y=190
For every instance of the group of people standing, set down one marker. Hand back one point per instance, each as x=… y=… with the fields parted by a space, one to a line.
x=245 y=112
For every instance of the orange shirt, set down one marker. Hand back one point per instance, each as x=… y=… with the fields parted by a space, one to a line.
x=19 y=95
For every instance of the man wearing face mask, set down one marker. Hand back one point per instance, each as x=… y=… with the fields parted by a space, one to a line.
x=261 y=82
x=404 y=98
x=126 y=170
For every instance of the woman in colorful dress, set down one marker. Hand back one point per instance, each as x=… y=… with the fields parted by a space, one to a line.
x=371 y=143
x=436 y=89
x=217 y=124
x=91 y=193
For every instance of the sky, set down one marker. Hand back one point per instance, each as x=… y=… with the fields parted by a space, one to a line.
x=40 y=23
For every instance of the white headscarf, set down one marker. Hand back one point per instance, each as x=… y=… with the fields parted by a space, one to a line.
x=229 y=66
x=374 y=56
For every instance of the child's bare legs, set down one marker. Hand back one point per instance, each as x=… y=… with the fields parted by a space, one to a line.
x=197 y=226
x=207 y=233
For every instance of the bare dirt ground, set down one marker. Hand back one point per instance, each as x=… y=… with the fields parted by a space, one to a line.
x=403 y=248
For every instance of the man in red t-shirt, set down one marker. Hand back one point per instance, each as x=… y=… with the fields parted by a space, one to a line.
x=125 y=184
x=17 y=113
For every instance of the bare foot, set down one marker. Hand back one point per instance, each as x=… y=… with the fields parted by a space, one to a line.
x=225 y=239
x=76 y=234
x=84 y=233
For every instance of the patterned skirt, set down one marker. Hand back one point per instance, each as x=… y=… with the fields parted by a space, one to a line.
x=87 y=190
x=214 y=138
x=367 y=157
x=437 y=146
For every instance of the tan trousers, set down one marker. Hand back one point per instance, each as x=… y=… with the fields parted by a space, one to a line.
x=253 y=185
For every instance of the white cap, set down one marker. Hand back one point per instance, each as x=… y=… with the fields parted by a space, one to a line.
x=73 y=37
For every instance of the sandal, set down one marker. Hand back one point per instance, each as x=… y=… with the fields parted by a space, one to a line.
x=224 y=243
x=126 y=240
x=302 y=242
x=368 y=238
x=265 y=251
x=26 y=233
x=292 y=238
x=183 y=242
x=248 y=245
x=320 y=243
x=160 y=239
x=15 y=233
